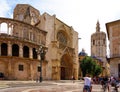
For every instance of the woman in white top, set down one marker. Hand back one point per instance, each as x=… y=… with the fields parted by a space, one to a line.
x=87 y=83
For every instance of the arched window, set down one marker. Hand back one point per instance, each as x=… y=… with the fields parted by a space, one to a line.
x=26 y=52
x=4 y=28
x=15 y=50
x=4 y=49
x=62 y=38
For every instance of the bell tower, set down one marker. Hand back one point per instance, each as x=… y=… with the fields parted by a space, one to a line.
x=98 y=44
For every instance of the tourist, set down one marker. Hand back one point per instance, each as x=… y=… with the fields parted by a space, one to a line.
x=106 y=83
x=73 y=78
x=87 y=83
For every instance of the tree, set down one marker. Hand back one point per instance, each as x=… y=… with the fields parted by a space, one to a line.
x=88 y=65
x=98 y=70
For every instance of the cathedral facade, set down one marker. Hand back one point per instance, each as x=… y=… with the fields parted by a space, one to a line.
x=21 y=36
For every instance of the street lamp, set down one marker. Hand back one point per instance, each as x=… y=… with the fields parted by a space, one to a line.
x=41 y=51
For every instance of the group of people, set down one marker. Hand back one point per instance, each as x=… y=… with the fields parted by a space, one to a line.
x=88 y=81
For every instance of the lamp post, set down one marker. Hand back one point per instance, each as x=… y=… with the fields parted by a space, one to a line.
x=42 y=51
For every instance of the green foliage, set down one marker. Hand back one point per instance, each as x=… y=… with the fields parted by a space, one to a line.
x=88 y=65
x=98 y=70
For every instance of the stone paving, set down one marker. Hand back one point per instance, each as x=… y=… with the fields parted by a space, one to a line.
x=46 y=86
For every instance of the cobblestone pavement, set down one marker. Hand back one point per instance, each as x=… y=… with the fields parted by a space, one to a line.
x=46 y=86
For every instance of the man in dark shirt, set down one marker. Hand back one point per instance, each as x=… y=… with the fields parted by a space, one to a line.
x=106 y=82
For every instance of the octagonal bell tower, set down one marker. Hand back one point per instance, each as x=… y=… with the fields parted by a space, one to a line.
x=98 y=44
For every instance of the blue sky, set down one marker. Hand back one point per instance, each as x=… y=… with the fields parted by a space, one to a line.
x=82 y=15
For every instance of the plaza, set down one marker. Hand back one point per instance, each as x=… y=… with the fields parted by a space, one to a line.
x=46 y=86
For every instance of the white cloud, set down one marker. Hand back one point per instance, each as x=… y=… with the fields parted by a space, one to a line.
x=4 y=7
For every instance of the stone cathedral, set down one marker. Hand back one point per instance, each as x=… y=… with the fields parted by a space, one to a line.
x=21 y=36
x=98 y=48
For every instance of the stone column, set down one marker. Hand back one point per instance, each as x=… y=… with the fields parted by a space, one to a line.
x=9 y=49
x=31 y=53
x=20 y=50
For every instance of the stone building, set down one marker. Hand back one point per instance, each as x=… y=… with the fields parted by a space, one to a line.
x=21 y=36
x=99 y=46
x=113 y=32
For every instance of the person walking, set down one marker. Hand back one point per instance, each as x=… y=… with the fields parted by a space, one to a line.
x=73 y=78
x=106 y=82
x=87 y=83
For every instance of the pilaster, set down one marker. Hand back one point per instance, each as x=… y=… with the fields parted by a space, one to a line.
x=31 y=53
x=9 y=49
x=21 y=51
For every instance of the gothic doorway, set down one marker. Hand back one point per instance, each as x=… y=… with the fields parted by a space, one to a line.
x=66 y=67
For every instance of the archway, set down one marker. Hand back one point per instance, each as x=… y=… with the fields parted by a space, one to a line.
x=15 y=50
x=26 y=52
x=4 y=49
x=66 y=70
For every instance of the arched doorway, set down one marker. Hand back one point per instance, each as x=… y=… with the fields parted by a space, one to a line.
x=66 y=70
